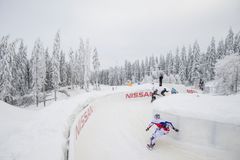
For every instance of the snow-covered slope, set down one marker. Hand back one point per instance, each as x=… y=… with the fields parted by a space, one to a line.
x=39 y=134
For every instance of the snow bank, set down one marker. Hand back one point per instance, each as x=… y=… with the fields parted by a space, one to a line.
x=215 y=108
x=43 y=133
x=205 y=133
x=203 y=119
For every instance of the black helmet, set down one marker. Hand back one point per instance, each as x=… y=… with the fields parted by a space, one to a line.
x=157 y=116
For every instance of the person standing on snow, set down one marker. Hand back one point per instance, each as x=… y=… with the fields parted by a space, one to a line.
x=201 y=84
x=160 y=79
x=163 y=128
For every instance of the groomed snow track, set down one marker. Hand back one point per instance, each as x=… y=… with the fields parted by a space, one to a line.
x=113 y=128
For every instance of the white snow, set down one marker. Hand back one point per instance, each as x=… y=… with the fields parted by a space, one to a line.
x=42 y=134
x=116 y=130
x=215 y=108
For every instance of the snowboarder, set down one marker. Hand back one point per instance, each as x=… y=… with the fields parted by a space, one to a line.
x=163 y=128
x=155 y=92
x=164 y=91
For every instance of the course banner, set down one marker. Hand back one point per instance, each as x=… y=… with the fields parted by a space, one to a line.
x=191 y=91
x=138 y=94
x=83 y=119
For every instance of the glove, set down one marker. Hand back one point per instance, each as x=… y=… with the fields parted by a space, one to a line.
x=147 y=129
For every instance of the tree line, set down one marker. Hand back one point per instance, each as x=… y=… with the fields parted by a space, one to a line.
x=186 y=65
x=25 y=79
x=22 y=77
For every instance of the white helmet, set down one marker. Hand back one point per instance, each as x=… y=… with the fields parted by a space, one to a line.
x=157 y=116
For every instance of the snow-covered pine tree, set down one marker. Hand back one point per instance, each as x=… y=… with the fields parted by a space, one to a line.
x=118 y=75
x=229 y=42
x=162 y=63
x=13 y=60
x=137 y=73
x=87 y=61
x=111 y=78
x=3 y=46
x=211 y=59
x=236 y=44
x=49 y=71
x=196 y=64
x=204 y=70
x=29 y=75
x=56 y=64
x=142 y=70
x=68 y=73
x=133 y=72
x=5 y=72
x=228 y=74
x=156 y=62
x=78 y=69
x=183 y=66
x=21 y=68
x=71 y=67
x=88 y=51
x=80 y=64
x=38 y=69
x=63 y=69
x=6 y=83
x=103 y=76
x=96 y=66
x=3 y=51
x=147 y=67
x=221 y=51
x=122 y=76
x=176 y=62
x=190 y=65
x=152 y=63
x=128 y=70
x=169 y=64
